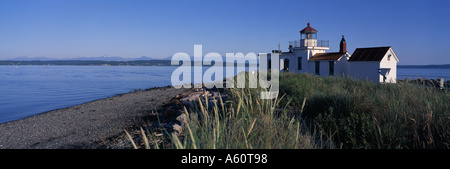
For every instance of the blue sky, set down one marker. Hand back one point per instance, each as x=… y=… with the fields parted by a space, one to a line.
x=416 y=30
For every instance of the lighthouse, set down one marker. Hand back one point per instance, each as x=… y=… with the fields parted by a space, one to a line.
x=304 y=49
x=307 y=55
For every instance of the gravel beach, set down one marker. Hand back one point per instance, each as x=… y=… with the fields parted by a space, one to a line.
x=84 y=126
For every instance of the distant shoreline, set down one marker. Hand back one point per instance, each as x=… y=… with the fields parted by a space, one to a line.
x=88 y=62
x=97 y=63
x=143 y=63
x=446 y=66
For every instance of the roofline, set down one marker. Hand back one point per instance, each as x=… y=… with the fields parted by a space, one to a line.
x=325 y=60
x=396 y=58
x=328 y=59
x=374 y=47
x=303 y=31
x=363 y=61
x=389 y=47
x=331 y=53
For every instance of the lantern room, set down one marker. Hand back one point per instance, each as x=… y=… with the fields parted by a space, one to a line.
x=308 y=38
x=308 y=33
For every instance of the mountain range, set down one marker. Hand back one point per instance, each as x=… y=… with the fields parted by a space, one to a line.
x=102 y=58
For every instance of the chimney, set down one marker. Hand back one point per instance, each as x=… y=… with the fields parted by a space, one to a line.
x=343 y=46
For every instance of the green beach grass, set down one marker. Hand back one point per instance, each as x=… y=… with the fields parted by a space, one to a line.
x=312 y=112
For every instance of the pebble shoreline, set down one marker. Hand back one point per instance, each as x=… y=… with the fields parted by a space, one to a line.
x=172 y=118
x=86 y=126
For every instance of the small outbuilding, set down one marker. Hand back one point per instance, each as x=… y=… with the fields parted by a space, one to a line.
x=378 y=64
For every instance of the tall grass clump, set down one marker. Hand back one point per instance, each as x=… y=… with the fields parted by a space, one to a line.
x=245 y=122
x=363 y=114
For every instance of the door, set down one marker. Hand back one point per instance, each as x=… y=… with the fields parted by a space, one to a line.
x=317 y=67
x=286 y=65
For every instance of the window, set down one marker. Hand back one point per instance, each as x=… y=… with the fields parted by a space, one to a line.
x=299 y=66
x=286 y=65
x=317 y=67
x=389 y=57
x=308 y=36
x=331 y=68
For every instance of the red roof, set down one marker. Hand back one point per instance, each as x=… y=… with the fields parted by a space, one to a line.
x=308 y=29
x=327 y=56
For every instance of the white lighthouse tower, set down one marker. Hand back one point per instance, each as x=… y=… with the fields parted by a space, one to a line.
x=305 y=48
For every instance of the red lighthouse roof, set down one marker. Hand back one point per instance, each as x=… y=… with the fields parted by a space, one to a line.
x=308 y=29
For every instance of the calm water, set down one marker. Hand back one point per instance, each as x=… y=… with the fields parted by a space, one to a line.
x=428 y=73
x=30 y=90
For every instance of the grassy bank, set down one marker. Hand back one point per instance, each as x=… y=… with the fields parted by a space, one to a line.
x=361 y=114
x=314 y=112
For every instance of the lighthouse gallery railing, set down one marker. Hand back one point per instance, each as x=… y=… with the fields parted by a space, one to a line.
x=318 y=43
